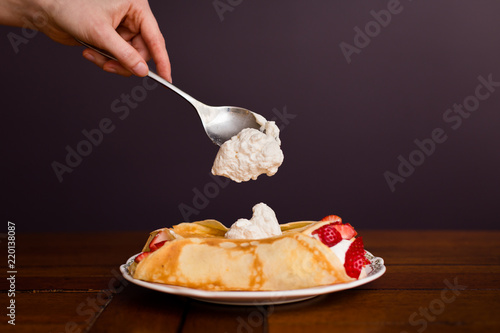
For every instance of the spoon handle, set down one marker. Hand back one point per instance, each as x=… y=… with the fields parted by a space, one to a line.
x=169 y=85
x=152 y=75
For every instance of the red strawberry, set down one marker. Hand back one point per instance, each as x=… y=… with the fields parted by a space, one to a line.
x=328 y=235
x=331 y=218
x=156 y=246
x=346 y=230
x=355 y=258
x=161 y=236
x=154 y=240
x=141 y=256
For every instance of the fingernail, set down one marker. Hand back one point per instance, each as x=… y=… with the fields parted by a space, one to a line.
x=88 y=56
x=141 y=69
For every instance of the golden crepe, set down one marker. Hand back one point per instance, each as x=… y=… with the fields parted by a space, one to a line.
x=197 y=255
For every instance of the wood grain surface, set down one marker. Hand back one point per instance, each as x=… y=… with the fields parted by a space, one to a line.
x=436 y=281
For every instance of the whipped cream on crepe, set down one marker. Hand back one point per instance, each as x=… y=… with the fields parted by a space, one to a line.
x=263 y=224
x=250 y=153
x=340 y=250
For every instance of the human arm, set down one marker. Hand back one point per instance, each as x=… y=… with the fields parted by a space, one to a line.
x=125 y=28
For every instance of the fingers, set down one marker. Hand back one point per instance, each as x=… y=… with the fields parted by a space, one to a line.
x=113 y=66
x=133 y=43
x=127 y=55
x=105 y=63
x=138 y=43
x=135 y=39
x=155 y=42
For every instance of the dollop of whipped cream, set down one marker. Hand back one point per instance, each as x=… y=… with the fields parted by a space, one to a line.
x=263 y=224
x=340 y=249
x=250 y=153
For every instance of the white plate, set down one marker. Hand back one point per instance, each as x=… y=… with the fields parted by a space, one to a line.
x=257 y=297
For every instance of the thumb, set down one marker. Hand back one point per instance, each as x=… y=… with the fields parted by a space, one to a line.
x=126 y=54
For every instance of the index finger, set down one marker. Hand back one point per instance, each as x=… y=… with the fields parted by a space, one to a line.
x=155 y=42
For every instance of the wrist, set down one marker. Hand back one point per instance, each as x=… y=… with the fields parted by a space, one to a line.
x=21 y=13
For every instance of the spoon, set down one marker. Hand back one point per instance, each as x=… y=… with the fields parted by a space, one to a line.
x=221 y=123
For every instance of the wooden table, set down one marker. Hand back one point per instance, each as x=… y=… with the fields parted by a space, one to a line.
x=436 y=281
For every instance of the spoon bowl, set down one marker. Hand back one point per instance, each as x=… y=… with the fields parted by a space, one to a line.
x=221 y=123
x=227 y=121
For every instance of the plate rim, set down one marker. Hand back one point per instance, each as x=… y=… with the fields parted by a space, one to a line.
x=236 y=296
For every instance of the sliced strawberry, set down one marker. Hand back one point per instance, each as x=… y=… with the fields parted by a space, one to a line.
x=141 y=256
x=346 y=230
x=355 y=258
x=328 y=235
x=156 y=246
x=331 y=218
x=155 y=239
x=160 y=237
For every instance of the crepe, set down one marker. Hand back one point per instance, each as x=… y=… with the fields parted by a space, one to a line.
x=196 y=255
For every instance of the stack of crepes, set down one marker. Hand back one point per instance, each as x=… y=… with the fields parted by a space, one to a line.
x=197 y=255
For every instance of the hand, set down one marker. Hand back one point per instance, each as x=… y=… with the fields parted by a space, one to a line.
x=125 y=28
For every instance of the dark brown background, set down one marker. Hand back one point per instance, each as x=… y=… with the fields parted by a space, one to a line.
x=352 y=120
